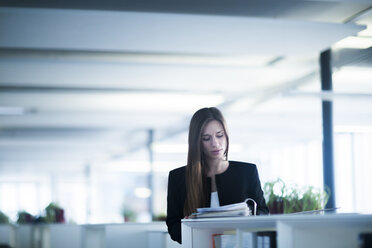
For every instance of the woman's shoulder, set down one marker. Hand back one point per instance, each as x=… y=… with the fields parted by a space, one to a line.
x=239 y=165
x=177 y=177
x=180 y=171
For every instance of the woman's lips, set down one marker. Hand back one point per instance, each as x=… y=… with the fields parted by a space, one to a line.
x=216 y=151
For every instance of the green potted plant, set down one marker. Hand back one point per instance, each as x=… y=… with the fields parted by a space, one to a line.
x=282 y=198
x=129 y=215
x=4 y=219
x=54 y=213
x=274 y=200
x=25 y=218
x=159 y=217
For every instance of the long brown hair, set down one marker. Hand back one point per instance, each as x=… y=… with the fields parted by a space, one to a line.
x=195 y=169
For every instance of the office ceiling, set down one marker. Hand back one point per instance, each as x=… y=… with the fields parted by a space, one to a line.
x=84 y=81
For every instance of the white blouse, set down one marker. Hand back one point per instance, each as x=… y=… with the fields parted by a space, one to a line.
x=215 y=202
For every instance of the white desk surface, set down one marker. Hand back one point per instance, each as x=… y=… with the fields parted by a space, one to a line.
x=270 y=221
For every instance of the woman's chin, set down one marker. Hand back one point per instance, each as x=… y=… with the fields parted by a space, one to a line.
x=216 y=157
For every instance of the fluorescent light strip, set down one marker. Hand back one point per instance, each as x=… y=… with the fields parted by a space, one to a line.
x=145 y=58
x=329 y=95
x=353 y=129
x=166 y=102
x=12 y=111
x=182 y=148
x=354 y=42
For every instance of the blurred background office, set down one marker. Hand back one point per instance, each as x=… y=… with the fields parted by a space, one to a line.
x=96 y=98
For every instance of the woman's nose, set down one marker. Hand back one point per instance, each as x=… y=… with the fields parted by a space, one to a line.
x=214 y=141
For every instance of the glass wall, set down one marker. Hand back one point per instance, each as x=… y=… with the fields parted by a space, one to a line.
x=107 y=193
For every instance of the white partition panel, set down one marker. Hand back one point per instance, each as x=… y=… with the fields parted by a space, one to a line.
x=7 y=235
x=64 y=235
x=24 y=236
x=169 y=243
x=94 y=236
x=134 y=235
x=131 y=235
x=155 y=239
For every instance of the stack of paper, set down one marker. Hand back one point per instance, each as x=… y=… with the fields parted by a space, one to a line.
x=236 y=209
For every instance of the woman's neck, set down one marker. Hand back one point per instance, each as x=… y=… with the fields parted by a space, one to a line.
x=216 y=167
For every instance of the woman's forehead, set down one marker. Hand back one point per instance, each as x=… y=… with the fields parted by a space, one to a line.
x=212 y=127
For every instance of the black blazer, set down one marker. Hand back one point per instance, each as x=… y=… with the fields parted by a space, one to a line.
x=238 y=182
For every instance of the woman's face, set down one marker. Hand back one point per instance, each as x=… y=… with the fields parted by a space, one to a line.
x=213 y=140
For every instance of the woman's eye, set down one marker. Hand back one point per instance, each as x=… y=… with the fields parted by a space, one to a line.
x=206 y=139
x=220 y=136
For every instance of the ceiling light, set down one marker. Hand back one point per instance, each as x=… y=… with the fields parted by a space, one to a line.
x=182 y=148
x=128 y=101
x=12 y=111
x=141 y=57
x=353 y=129
x=354 y=42
x=328 y=95
x=163 y=101
x=253 y=60
x=181 y=59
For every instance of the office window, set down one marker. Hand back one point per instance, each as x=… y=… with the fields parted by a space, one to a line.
x=352 y=171
x=9 y=199
x=18 y=196
x=28 y=197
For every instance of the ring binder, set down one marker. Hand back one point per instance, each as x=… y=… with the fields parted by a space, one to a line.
x=231 y=210
x=254 y=205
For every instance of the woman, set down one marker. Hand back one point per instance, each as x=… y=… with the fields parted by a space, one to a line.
x=209 y=179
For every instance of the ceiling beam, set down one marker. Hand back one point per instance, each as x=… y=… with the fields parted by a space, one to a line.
x=165 y=33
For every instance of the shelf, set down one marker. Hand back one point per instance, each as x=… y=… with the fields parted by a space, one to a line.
x=293 y=230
